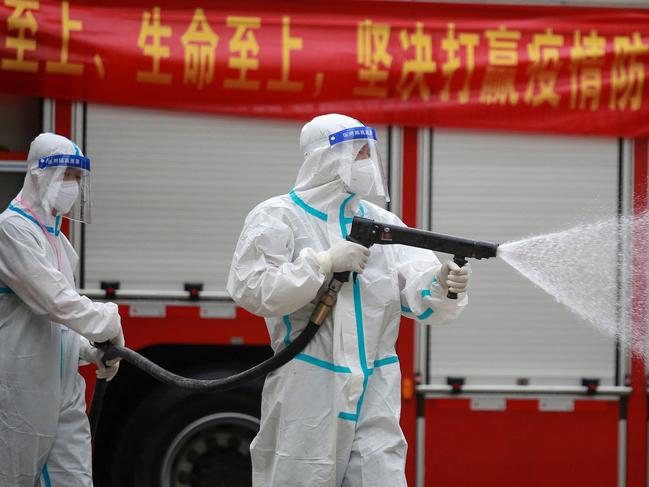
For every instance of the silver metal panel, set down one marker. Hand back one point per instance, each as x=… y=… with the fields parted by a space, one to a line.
x=558 y=404
x=395 y=164
x=502 y=187
x=49 y=113
x=626 y=200
x=171 y=191
x=76 y=228
x=603 y=392
x=488 y=404
x=13 y=166
x=420 y=453
x=218 y=310
x=424 y=152
x=148 y=310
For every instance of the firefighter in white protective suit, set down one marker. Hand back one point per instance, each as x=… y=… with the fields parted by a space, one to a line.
x=330 y=417
x=46 y=326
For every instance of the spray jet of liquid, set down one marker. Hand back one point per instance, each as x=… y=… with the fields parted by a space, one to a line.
x=582 y=267
x=585 y=268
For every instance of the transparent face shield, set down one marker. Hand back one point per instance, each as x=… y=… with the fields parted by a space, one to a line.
x=68 y=191
x=361 y=169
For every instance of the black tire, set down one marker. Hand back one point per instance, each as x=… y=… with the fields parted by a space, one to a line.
x=178 y=438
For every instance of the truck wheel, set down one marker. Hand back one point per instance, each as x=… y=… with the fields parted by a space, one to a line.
x=212 y=451
x=178 y=438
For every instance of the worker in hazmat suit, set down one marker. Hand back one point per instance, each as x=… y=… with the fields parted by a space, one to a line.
x=46 y=326
x=330 y=417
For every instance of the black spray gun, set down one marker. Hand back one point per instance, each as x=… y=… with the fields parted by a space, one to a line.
x=364 y=232
x=368 y=232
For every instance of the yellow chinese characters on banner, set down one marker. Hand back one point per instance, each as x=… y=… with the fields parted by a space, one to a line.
x=544 y=69
x=374 y=59
x=390 y=61
x=499 y=83
x=414 y=71
x=64 y=66
x=245 y=44
x=152 y=32
x=451 y=45
x=586 y=62
x=22 y=40
x=288 y=44
x=515 y=66
x=22 y=26
x=628 y=73
x=199 y=43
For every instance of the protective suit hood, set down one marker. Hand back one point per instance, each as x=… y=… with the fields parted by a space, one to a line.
x=49 y=157
x=330 y=145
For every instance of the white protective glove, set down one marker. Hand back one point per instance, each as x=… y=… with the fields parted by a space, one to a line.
x=454 y=278
x=93 y=355
x=344 y=256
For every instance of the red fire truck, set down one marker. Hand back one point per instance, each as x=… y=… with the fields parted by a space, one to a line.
x=517 y=391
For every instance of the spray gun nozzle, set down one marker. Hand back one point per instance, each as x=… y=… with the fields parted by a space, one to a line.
x=484 y=250
x=368 y=232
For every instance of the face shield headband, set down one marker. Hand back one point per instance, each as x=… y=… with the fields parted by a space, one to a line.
x=362 y=169
x=68 y=192
x=65 y=160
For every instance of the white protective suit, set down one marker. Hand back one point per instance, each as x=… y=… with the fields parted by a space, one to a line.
x=330 y=417
x=44 y=431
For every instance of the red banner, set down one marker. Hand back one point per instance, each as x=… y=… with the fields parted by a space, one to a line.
x=542 y=69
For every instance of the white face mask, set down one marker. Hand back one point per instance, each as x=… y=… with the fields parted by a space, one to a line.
x=362 y=176
x=66 y=197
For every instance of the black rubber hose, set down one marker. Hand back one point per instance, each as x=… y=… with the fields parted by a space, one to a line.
x=95 y=406
x=214 y=385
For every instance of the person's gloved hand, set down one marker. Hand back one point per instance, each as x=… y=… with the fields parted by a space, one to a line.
x=93 y=355
x=344 y=256
x=454 y=278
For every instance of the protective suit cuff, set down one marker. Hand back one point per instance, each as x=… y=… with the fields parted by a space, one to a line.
x=429 y=281
x=324 y=259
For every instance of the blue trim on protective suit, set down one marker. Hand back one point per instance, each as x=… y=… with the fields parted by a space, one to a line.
x=423 y=316
x=350 y=220
x=429 y=311
x=357 y=309
x=289 y=328
x=358 y=312
x=426 y=314
x=348 y=417
x=309 y=209
x=46 y=476
x=343 y=220
x=386 y=361
x=5 y=290
x=308 y=358
x=323 y=364
x=53 y=231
